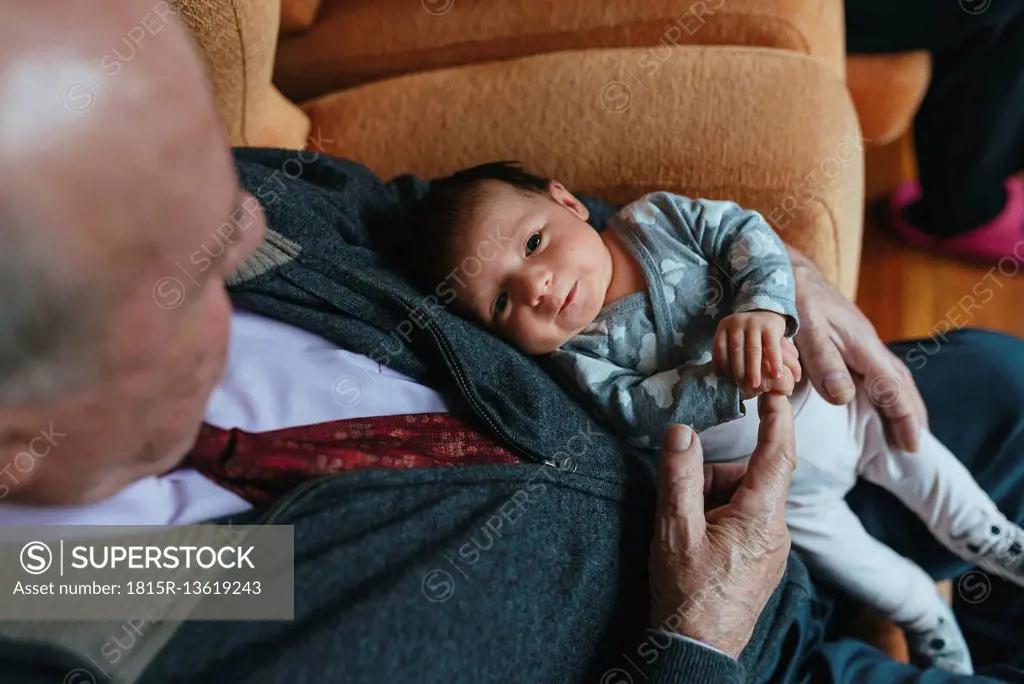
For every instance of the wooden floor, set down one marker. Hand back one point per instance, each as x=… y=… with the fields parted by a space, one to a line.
x=907 y=293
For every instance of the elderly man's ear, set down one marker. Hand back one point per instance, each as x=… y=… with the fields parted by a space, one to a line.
x=568 y=200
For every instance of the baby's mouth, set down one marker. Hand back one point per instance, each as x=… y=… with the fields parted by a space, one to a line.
x=568 y=298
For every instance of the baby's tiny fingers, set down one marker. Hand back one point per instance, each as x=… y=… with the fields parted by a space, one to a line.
x=772 y=354
x=736 y=350
x=752 y=347
x=791 y=358
x=787 y=383
x=720 y=352
x=789 y=347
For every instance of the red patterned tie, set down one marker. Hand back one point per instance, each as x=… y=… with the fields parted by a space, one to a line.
x=262 y=466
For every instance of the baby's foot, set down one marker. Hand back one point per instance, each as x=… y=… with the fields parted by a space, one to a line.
x=942 y=645
x=999 y=548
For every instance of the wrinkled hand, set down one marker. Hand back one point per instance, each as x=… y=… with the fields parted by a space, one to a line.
x=713 y=567
x=836 y=339
x=753 y=349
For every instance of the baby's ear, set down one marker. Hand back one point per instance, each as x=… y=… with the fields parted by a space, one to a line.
x=568 y=200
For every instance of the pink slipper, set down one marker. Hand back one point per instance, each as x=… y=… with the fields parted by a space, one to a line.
x=1000 y=238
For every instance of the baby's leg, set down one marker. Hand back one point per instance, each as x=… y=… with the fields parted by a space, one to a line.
x=942 y=492
x=836 y=545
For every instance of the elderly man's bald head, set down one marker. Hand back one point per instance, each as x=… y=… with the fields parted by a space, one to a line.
x=92 y=159
x=115 y=169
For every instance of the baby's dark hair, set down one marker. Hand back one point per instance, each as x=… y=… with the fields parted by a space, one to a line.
x=449 y=206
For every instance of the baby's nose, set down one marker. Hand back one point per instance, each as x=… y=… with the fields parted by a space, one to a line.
x=536 y=285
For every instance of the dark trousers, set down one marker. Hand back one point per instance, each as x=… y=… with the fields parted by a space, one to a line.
x=969 y=132
x=974 y=389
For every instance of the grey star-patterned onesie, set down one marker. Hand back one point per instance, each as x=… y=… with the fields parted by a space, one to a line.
x=645 y=361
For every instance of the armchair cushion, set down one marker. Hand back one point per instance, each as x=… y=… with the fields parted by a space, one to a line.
x=774 y=131
x=357 y=42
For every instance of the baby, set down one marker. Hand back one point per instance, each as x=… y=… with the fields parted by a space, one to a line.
x=681 y=312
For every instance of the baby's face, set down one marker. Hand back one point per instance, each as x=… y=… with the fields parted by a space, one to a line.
x=534 y=271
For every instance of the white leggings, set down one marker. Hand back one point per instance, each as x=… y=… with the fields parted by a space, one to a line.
x=835 y=446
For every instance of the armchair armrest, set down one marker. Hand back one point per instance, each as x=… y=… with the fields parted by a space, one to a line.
x=236 y=41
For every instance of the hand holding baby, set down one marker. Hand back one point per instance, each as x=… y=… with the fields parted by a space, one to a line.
x=752 y=347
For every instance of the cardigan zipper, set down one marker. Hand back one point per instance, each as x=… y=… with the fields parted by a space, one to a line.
x=467 y=394
x=460 y=380
x=478 y=409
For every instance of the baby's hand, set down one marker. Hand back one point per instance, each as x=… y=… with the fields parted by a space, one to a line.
x=750 y=345
x=785 y=384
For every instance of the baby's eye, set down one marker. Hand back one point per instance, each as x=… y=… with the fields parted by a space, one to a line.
x=533 y=243
x=500 y=303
